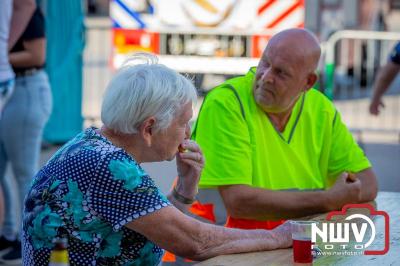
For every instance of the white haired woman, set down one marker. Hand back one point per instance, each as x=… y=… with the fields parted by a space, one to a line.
x=94 y=192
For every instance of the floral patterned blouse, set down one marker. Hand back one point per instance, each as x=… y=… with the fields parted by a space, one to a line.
x=87 y=192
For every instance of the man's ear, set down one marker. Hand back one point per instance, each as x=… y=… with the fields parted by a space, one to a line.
x=311 y=80
x=147 y=131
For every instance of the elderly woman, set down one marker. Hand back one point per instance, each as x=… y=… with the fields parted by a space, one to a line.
x=94 y=192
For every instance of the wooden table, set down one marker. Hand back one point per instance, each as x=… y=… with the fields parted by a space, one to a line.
x=386 y=201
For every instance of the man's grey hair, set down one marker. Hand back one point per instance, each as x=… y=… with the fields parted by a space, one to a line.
x=139 y=91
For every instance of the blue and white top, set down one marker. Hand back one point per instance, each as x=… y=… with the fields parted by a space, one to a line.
x=87 y=192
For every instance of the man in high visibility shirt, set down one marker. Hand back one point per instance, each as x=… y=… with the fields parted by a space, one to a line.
x=276 y=148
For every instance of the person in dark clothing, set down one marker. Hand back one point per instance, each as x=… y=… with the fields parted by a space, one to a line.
x=21 y=127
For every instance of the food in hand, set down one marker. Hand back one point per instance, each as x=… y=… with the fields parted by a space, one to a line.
x=351 y=177
x=181 y=149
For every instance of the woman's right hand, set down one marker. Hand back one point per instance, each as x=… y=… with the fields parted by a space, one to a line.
x=189 y=163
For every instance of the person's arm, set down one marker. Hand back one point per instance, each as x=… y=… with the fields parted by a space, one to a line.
x=22 y=13
x=248 y=202
x=369 y=185
x=189 y=162
x=33 y=55
x=385 y=77
x=288 y=204
x=187 y=237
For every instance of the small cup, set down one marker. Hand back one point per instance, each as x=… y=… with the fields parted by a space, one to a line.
x=301 y=236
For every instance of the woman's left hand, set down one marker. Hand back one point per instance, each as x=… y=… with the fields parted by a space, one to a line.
x=189 y=165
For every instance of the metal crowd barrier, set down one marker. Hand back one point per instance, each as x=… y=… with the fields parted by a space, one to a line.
x=352 y=60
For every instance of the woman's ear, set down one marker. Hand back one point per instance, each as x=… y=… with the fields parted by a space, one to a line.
x=147 y=131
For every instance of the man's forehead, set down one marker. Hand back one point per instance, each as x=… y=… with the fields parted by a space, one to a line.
x=282 y=46
x=294 y=44
x=281 y=55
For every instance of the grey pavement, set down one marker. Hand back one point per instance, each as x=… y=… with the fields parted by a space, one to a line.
x=385 y=159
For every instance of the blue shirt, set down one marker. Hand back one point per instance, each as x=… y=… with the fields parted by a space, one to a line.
x=87 y=192
x=395 y=54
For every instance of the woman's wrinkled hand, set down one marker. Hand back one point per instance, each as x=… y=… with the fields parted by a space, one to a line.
x=283 y=235
x=189 y=162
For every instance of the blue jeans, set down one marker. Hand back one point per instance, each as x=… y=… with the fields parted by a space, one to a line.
x=21 y=127
x=6 y=90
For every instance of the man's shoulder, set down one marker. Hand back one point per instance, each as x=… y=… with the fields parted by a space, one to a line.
x=317 y=104
x=317 y=94
x=317 y=98
x=230 y=90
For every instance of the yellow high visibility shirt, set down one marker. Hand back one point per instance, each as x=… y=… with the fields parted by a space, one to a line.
x=241 y=145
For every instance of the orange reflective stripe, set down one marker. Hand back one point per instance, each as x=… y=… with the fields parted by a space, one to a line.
x=252 y=224
x=168 y=257
x=205 y=211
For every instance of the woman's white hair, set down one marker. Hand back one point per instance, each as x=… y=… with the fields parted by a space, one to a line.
x=145 y=89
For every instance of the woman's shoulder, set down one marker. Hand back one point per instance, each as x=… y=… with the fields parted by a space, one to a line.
x=88 y=147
